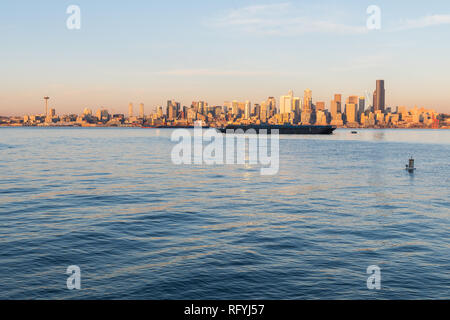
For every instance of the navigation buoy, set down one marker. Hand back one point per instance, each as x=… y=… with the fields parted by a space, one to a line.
x=410 y=166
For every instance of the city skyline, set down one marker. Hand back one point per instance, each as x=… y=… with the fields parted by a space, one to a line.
x=306 y=99
x=291 y=110
x=216 y=52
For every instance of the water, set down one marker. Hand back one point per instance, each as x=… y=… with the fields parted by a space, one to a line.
x=110 y=201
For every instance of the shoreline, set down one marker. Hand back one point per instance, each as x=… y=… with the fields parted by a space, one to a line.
x=191 y=127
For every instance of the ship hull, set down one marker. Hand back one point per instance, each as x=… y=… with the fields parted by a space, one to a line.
x=172 y=127
x=282 y=129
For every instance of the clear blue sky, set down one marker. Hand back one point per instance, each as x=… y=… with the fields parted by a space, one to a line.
x=152 y=51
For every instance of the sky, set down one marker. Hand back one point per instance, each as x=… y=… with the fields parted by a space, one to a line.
x=152 y=51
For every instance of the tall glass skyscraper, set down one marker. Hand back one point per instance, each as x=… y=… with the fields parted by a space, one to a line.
x=307 y=100
x=379 y=97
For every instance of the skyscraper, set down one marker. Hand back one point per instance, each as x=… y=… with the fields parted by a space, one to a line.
x=103 y=115
x=235 y=108
x=374 y=101
x=172 y=109
x=247 y=109
x=350 y=112
x=296 y=104
x=272 y=106
x=130 y=110
x=159 y=112
x=334 y=109
x=379 y=97
x=336 y=106
x=320 y=106
x=307 y=100
x=46 y=105
x=141 y=111
x=263 y=111
x=201 y=107
x=353 y=100
x=362 y=105
x=286 y=103
x=338 y=98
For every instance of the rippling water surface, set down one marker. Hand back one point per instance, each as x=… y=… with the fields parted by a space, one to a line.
x=110 y=201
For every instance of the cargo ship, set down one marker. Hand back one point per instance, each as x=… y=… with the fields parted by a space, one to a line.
x=282 y=129
x=172 y=127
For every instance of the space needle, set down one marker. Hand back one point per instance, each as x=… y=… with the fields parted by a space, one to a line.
x=46 y=105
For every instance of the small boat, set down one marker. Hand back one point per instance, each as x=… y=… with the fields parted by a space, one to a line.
x=354 y=132
x=410 y=166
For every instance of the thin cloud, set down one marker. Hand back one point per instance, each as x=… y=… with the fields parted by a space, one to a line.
x=424 y=22
x=281 y=19
x=363 y=63
x=212 y=72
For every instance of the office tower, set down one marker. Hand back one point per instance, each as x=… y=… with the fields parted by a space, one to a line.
x=362 y=105
x=172 y=108
x=177 y=108
x=306 y=118
x=52 y=113
x=227 y=106
x=254 y=112
x=130 y=110
x=353 y=100
x=201 y=107
x=159 y=112
x=363 y=119
x=296 y=105
x=379 y=97
x=320 y=106
x=191 y=115
x=87 y=112
x=169 y=105
x=171 y=114
x=194 y=106
x=272 y=108
x=374 y=102
x=321 y=118
x=336 y=106
x=338 y=99
x=218 y=110
x=286 y=103
x=141 y=111
x=247 y=109
x=307 y=100
x=264 y=110
x=103 y=115
x=46 y=105
x=350 y=112
x=241 y=107
x=334 y=109
x=235 y=108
